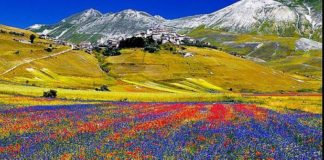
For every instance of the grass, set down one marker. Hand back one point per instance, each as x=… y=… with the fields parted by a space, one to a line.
x=16 y=95
x=74 y=69
x=15 y=101
x=283 y=57
x=207 y=70
x=73 y=94
x=312 y=104
x=13 y=52
x=70 y=70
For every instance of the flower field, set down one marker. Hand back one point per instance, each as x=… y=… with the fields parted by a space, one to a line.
x=127 y=130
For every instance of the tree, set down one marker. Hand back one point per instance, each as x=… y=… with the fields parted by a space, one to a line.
x=32 y=38
x=134 y=42
x=111 y=52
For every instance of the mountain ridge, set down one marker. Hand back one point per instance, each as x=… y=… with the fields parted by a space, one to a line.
x=282 y=17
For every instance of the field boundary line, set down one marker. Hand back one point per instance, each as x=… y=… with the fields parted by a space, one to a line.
x=32 y=60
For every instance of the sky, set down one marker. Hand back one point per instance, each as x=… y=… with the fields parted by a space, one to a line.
x=24 y=13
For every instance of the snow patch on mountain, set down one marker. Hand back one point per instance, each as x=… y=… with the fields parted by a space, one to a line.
x=241 y=16
x=59 y=36
x=36 y=26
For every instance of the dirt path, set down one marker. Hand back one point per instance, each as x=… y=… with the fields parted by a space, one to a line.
x=32 y=60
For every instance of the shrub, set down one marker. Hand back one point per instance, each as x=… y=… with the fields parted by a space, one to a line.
x=305 y=90
x=111 y=52
x=50 y=94
x=48 y=49
x=102 y=88
x=2 y=31
x=97 y=49
x=151 y=49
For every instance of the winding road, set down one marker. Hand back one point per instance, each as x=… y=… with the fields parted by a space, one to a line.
x=32 y=60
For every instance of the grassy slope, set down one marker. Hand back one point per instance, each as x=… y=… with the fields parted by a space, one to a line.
x=207 y=66
x=284 y=58
x=8 y=48
x=74 y=69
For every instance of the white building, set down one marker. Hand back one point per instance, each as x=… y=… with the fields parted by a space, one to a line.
x=113 y=43
x=85 y=45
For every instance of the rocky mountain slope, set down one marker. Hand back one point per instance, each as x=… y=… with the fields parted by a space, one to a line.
x=91 y=25
x=281 y=17
x=284 y=17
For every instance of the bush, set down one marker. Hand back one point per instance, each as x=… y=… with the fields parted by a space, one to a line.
x=151 y=49
x=50 y=94
x=2 y=31
x=97 y=49
x=305 y=90
x=102 y=88
x=48 y=49
x=111 y=52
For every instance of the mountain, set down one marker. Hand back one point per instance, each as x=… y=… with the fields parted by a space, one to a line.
x=281 y=17
x=91 y=25
x=284 y=17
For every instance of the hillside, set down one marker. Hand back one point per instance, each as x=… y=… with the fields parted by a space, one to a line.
x=207 y=70
x=278 y=17
x=30 y=64
x=277 y=52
